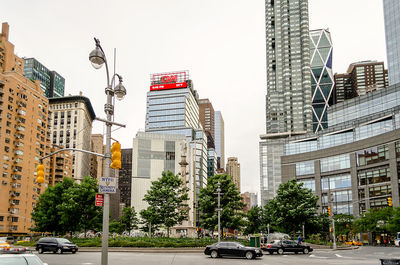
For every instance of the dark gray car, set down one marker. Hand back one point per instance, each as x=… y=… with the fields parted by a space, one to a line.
x=56 y=245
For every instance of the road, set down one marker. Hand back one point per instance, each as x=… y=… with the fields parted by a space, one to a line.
x=363 y=255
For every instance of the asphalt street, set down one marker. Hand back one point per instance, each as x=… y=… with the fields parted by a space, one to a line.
x=363 y=255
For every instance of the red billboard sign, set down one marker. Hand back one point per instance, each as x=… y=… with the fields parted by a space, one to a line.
x=99 y=199
x=169 y=80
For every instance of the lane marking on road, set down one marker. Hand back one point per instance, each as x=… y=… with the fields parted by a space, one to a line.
x=87 y=263
x=318 y=257
x=337 y=255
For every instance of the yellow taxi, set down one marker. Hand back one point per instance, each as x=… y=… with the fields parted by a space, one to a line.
x=4 y=245
x=353 y=243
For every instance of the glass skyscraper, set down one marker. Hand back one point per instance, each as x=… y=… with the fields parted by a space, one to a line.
x=52 y=83
x=392 y=29
x=220 y=139
x=321 y=76
x=288 y=99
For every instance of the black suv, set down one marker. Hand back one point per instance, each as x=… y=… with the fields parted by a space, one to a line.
x=56 y=245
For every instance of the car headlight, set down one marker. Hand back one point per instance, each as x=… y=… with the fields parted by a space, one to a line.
x=65 y=247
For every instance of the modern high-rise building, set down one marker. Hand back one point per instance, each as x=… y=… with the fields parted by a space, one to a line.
x=391 y=10
x=233 y=170
x=361 y=78
x=125 y=177
x=71 y=126
x=321 y=77
x=289 y=99
x=211 y=162
x=172 y=108
x=219 y=139
x=23 y=141
x=52 y=83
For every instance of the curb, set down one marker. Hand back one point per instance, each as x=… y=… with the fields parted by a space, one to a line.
x=140 y=250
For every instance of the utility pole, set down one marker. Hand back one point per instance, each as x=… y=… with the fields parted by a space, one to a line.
x=332 y=218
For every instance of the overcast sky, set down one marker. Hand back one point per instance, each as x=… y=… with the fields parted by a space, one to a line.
x=221 y=43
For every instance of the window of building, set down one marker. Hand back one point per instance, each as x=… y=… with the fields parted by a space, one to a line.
x=380 y=191
x=335 y=163
x=308 y=183
x=336 y=182
x=372 y=155
x=373 y=176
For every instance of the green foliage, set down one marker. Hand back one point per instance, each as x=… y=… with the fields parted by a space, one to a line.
x=253 y=222
x=376 y=220
x=292 y=207
x=116 y=227
x=166 y=199
x=231 y=204
x=46 y=213
x=68 y=207
x=150 y=220
x=343 y=224
x=128 y=218
x=394 y=222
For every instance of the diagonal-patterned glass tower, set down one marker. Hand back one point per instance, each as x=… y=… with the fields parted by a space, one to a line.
x=321 y=77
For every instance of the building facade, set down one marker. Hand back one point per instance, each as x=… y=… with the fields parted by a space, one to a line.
x=391 y=10
x=52 y=83
x=211 y=163
x=98 y=162
x=361 y=78
x=356 y=161
x=207 y=117
x=172 y=108
x=321 y=77
x=288 y=99
x=23 y=137
x=219 y=139
x=153 y=154
x=71 y=127
x=233 y=170
x=125 y=177
x=60 y=165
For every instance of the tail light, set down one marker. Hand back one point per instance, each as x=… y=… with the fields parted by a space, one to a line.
x=269 y=246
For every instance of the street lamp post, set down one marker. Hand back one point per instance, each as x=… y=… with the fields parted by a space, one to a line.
x=219 y=210
x=97 y=57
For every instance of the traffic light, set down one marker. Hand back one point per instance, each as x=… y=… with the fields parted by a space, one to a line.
x=116 y=155
x=40 y=173
x=329 y=211
x=389 y=201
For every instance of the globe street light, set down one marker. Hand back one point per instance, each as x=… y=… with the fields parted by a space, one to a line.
x=97 y=57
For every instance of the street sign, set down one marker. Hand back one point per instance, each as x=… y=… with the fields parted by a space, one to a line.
x=99 y=199
x=107 y=185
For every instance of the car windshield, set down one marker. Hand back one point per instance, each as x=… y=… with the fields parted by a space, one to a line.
x=63 y=241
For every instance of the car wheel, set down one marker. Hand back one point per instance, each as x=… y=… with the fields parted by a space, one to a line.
x=40 y=250
x=59 y=251
x=214 y=254
x=271 y=252
x=305 y=251
x=249 y=255
x=296 y=252
x=280 y=251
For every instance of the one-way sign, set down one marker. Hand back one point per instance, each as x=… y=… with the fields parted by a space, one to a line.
x=107 y=185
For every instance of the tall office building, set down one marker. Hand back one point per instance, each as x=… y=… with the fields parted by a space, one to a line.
x=71 y=126
x=233 y=170
x=207 y=116
x=361 y=78
x=219 y=139
x=23 y=140
x=98 y=147
x=125 y=177
x=321 y=77
x=52 y=83
x=172 y=108
x=392 y=30
x=289 y=99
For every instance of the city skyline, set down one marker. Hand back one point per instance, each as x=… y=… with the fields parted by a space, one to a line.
x=150 y=37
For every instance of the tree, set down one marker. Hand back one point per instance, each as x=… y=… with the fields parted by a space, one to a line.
x=78 y=209
x=254 y=221
x=46 y=213
x=343 y=224
x=167 y=198
x=394 y=222
x=116 y=227
x=68 y=207
x=292 y=207
x=375 y=221
x=150 y=220
x=231 y=204
x=128 y=218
